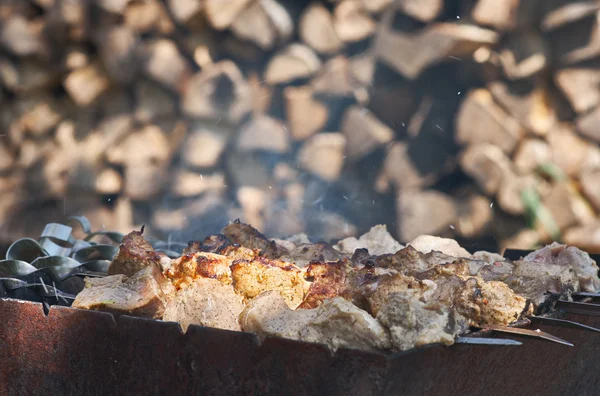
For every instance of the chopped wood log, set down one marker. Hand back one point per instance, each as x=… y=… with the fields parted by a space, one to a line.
x=334 y=78
x=487 y=164
x=567 y=207
x=253 y=201
x=265 y=23
x=221 y=13
x=147 y=17
x=108 y=133
x=27 y=75
x=114 y=6
x=422 y=10
x=400 y=171
x=575 y=42
x=525 y=238
x=530 y=154
x=218 y=91
x=590 y=187
x=118 y=53
x=20 y=36
x=474 y=213
x=204 y=146
x=480 y=120
x=423 y=212
x=524 y=55
x=364 y=132
x=185 y=10
x=430 y=46
x=509 y=196
x=580 y=86
x=152 y=102
x=264 y=133
x=570 y=152
x=164 y=63
x=144 y=155
x=375 y=6
x=588 y=125
x=585 y=237
x=501 y=15
x=261 y=93
x=528 y=102
x=316 y=29
x=114 y=102
x=569 y=12
x=85 y=85
x=76 y=58
x=39 y=115
x=6 y=158
x=293 y=62
x=284 y=173
x=351 y=22
x=323 y=155
x=245 y=169
x=328 y=226
x=170 y=219
x=299 y=102
x=108 y=182
x=191 y=184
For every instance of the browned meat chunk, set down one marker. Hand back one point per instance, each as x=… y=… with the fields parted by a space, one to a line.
x=249 y=237
x=250 y=278
x=211 y=244
x=410 y=260
x=430 y=243
x=419 y=312
x=312 y=252
x=570 y=257
x=135 y=253
x=533 y=280
x=205 y=302
x=141 y=295
x=328 y=280
x=335 y=323
x=377 y=241
x=184 y=270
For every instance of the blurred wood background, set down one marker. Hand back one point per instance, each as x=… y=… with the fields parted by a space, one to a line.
x=475 y=119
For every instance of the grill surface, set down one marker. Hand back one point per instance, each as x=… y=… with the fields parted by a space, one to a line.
x=77 y=352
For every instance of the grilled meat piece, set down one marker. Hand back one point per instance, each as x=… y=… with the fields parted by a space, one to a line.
x=533 y=280
x=210 y=244
x=328 y=280
x=487 y=257
x=411 y=260
x=145 y=294
x=249 y=237
x=219 y=244
x=570 y=257
x=135 y=253
x=430 y=243
x=304 y=254
x=335 y=323
x=205 y=302
x=441 y=305
x=185 y=269
x=377 y=241
x=250 y=278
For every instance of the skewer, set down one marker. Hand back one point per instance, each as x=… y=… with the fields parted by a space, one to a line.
x=561 y=323
x=531 y=333
x=586 y=294
x=578 y=308
x=487 y=341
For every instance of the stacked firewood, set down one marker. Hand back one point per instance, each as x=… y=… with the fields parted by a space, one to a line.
x=475 y=119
